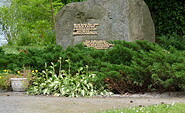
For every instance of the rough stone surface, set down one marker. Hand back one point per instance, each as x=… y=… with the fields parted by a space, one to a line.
x=127 y=20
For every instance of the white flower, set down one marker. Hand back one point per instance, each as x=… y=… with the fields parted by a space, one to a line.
x=173 y=103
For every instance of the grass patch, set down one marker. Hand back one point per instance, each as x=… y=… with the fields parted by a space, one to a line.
x=162 y=108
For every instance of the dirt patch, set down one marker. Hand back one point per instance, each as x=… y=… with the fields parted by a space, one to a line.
x=12 y=102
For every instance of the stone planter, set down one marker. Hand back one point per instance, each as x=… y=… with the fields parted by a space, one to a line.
x=19 y=84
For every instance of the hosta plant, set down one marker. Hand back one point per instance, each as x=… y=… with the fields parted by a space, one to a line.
x=64 y=84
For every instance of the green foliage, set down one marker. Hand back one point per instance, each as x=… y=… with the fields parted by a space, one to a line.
x=162 y=69
x=29 y=22
x=65 y=84
x=126 y=67
x=168 y=16
x=172 y=41
x=35 y=58
x=5 y=76
x=4 y=81
x=132 y=67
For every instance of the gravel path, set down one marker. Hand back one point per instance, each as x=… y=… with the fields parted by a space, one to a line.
x=12 y=102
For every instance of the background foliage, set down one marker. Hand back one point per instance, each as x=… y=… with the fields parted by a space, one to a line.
x=29 y=22
x=168 y=16
x=169 y=19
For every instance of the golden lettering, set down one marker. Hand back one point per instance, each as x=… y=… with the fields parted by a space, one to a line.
x=85 y=29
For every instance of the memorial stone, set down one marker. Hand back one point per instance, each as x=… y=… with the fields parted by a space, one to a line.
x=127 y=20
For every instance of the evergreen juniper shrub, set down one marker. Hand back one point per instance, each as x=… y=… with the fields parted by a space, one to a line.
x=126 y=67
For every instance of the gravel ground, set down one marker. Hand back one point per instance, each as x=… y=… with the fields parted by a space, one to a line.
x=16 y=102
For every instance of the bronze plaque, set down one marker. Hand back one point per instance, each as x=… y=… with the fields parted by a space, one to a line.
x=85 y=29
x=98 y=44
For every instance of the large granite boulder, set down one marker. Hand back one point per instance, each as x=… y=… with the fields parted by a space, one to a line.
x=127 y=20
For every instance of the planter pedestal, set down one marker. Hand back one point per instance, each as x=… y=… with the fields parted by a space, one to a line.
x=19 y=84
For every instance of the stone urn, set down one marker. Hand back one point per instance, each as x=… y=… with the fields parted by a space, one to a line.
x=19 y=84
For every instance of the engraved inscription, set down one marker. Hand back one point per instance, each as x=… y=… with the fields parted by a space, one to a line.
x=85 y=29
x=98 y=44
